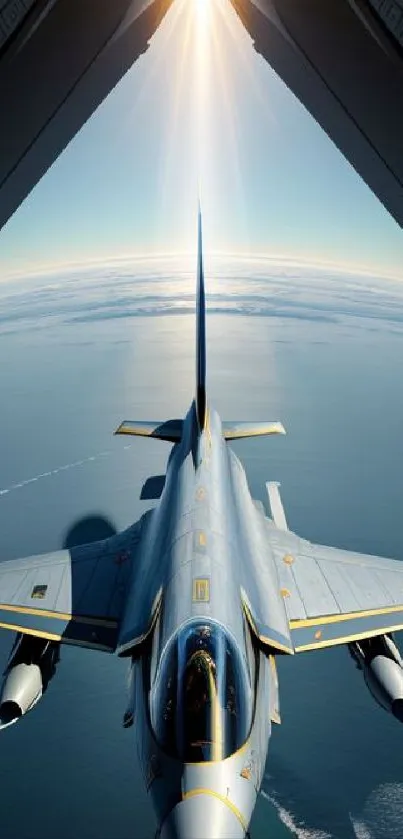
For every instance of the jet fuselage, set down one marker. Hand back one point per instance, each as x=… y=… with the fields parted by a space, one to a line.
x=204 y=690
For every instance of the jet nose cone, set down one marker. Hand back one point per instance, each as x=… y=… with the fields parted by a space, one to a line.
x=203 y=816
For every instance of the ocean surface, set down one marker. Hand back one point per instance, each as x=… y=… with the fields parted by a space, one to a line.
x=320 y=352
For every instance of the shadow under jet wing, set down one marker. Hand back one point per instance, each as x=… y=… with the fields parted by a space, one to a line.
x=75 y=596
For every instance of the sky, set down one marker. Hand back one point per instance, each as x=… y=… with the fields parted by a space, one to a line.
x=201 y=111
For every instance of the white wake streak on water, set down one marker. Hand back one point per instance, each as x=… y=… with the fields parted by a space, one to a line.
x=56 y=471
x=300 y=831
x=382 y=814
x=361 y=830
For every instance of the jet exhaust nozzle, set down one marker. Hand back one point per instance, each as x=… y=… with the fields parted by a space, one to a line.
x=21 y=690
x=9 y=712
x=382 y=667
x=397 y=709
x=31 y=666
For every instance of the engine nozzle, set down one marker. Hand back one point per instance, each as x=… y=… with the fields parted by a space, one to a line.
x=31 y=666
x=382 y=667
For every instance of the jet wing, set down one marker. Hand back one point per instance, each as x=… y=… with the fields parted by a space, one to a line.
x=75 y=596
x=334 y=596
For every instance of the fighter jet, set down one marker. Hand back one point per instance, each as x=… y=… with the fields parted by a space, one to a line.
x=201 y=595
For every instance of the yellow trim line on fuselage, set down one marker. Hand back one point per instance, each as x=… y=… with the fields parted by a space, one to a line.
x=227 y=801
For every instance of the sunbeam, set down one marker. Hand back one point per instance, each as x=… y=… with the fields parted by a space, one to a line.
x=207 y=49
x=203 y=10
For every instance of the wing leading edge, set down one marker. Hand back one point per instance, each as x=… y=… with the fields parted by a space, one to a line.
x=333 y=596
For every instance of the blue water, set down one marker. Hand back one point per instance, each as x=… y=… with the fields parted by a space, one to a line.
x=81 y=352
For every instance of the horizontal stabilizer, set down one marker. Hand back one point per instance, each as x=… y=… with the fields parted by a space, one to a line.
x=237 y=430
x=276 y=505
x=171 y=430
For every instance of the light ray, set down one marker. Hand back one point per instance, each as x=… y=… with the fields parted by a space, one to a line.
x=178 y=85
x=241 y=44
x=205 y=64
x=228 y=98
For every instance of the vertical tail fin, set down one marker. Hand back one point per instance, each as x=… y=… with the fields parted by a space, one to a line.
x=200 y=333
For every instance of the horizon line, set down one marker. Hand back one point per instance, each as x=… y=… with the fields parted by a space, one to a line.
x=284 y=259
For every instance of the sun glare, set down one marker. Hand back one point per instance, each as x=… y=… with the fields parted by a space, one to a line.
x=211 y=55
x=203 y=9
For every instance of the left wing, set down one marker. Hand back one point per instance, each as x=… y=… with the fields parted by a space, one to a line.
x=334 y=596
x=75 y=596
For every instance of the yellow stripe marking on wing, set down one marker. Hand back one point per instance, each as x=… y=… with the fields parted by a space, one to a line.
x=67 y=616
x=345 y=639
x=300 y=623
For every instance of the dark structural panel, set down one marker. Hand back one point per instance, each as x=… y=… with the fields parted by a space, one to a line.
x=58 y=60
x=344 y=60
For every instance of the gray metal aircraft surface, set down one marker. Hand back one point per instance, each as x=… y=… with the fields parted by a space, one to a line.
x=201 y=595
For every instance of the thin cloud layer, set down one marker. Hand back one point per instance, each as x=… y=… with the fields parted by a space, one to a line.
x=263 y=288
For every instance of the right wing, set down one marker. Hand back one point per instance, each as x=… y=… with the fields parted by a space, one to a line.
x=75 y=596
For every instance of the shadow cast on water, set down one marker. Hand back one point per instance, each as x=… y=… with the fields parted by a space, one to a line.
x=88 y=529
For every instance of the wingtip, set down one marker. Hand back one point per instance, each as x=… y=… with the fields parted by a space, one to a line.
x=277 y=428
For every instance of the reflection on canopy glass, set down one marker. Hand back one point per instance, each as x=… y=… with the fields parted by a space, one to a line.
x=201 y=703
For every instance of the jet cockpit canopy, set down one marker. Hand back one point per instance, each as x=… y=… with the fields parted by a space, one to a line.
x=201 y=702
